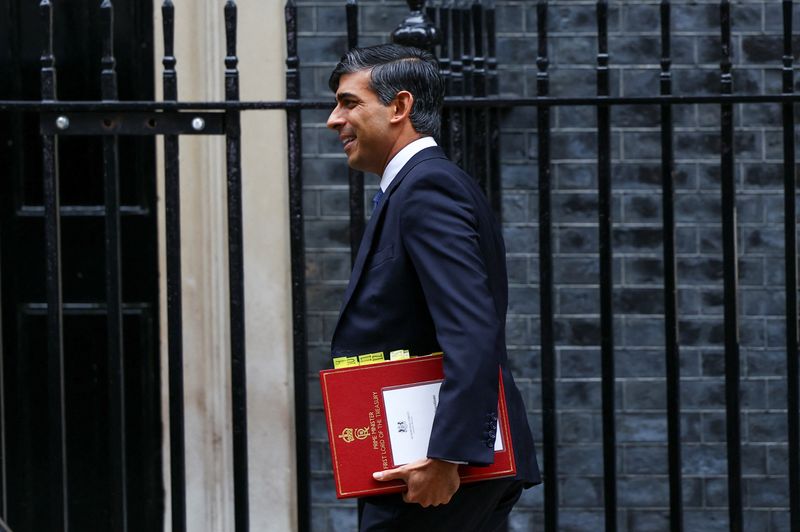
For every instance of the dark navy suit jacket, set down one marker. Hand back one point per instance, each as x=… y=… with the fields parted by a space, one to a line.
x=430 y=276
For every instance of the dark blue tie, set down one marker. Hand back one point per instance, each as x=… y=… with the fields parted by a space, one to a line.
x=376 y=199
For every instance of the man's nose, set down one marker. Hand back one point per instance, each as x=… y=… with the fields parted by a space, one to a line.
x=335 y=120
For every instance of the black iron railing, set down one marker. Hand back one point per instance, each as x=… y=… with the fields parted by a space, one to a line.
x=55 y=329
x=294 y=131
x=547 y=308
x=113 y=270
x=172 y=215
x=468 y=62
x=672 y=362
x=606 y=272
x=731 y=280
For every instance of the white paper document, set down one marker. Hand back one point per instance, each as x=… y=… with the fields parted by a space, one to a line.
x=409 y=420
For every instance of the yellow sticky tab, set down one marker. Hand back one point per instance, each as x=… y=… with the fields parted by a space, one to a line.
x=371 y=358
x=437 y=353
x=399 y=354
x=345 y=362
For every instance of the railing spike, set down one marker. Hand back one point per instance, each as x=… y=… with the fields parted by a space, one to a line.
x=231 y=13
x=168 y=23
x=48 y=62
x=108 y=75
x=58 y=507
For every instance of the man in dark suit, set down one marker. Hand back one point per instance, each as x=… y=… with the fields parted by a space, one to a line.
x=430 y=276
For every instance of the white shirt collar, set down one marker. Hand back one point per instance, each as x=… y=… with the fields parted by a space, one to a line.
x=402 y=157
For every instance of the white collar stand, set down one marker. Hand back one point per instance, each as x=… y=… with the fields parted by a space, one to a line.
x=402 y=157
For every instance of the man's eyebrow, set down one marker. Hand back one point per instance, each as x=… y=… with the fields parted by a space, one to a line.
x=345 y=96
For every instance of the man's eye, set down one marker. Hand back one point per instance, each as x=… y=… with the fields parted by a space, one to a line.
x=350 y=104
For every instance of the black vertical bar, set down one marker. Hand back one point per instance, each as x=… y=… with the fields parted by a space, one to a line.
x=790 y=229
x=355 y=177
x=495 y=189
x=432 y=12
x=729 y=261
x=351 y=12
x=456 y=88
x=606 y=271
x=11 y=15
x=444 y=68
x=670 y=282
x=58 y=489
x=466 y=46
x=295 y=148
x=174 y=296
x=116 y=367
x=480 y=119
x=233 y=155
x=3 y=455
x=445 y=16
x=10 y=87
x=549 y=417
x=468 y=72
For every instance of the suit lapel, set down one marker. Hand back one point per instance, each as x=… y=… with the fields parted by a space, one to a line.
x=369 y=232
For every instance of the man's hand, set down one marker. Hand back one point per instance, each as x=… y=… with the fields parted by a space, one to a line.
x=430 y=482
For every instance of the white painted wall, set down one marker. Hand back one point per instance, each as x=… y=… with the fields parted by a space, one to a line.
x=200 y=52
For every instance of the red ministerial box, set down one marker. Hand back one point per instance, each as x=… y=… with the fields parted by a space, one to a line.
x=360 y=434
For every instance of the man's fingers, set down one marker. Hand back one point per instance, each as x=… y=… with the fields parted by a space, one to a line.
x=408 y=498
x=414 y=499
x=391 y=474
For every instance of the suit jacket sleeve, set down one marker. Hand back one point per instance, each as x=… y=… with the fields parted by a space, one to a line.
x=440 y=232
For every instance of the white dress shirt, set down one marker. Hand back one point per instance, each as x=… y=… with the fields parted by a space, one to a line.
x=402 y=157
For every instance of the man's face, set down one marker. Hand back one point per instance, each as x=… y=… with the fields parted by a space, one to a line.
x=363 y=123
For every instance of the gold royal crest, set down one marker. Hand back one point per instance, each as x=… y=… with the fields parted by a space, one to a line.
x=349 y=435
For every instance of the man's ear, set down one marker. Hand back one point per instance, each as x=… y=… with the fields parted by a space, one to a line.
x=401 y=106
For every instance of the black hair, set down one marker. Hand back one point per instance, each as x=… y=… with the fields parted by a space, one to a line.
x=396 y=68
